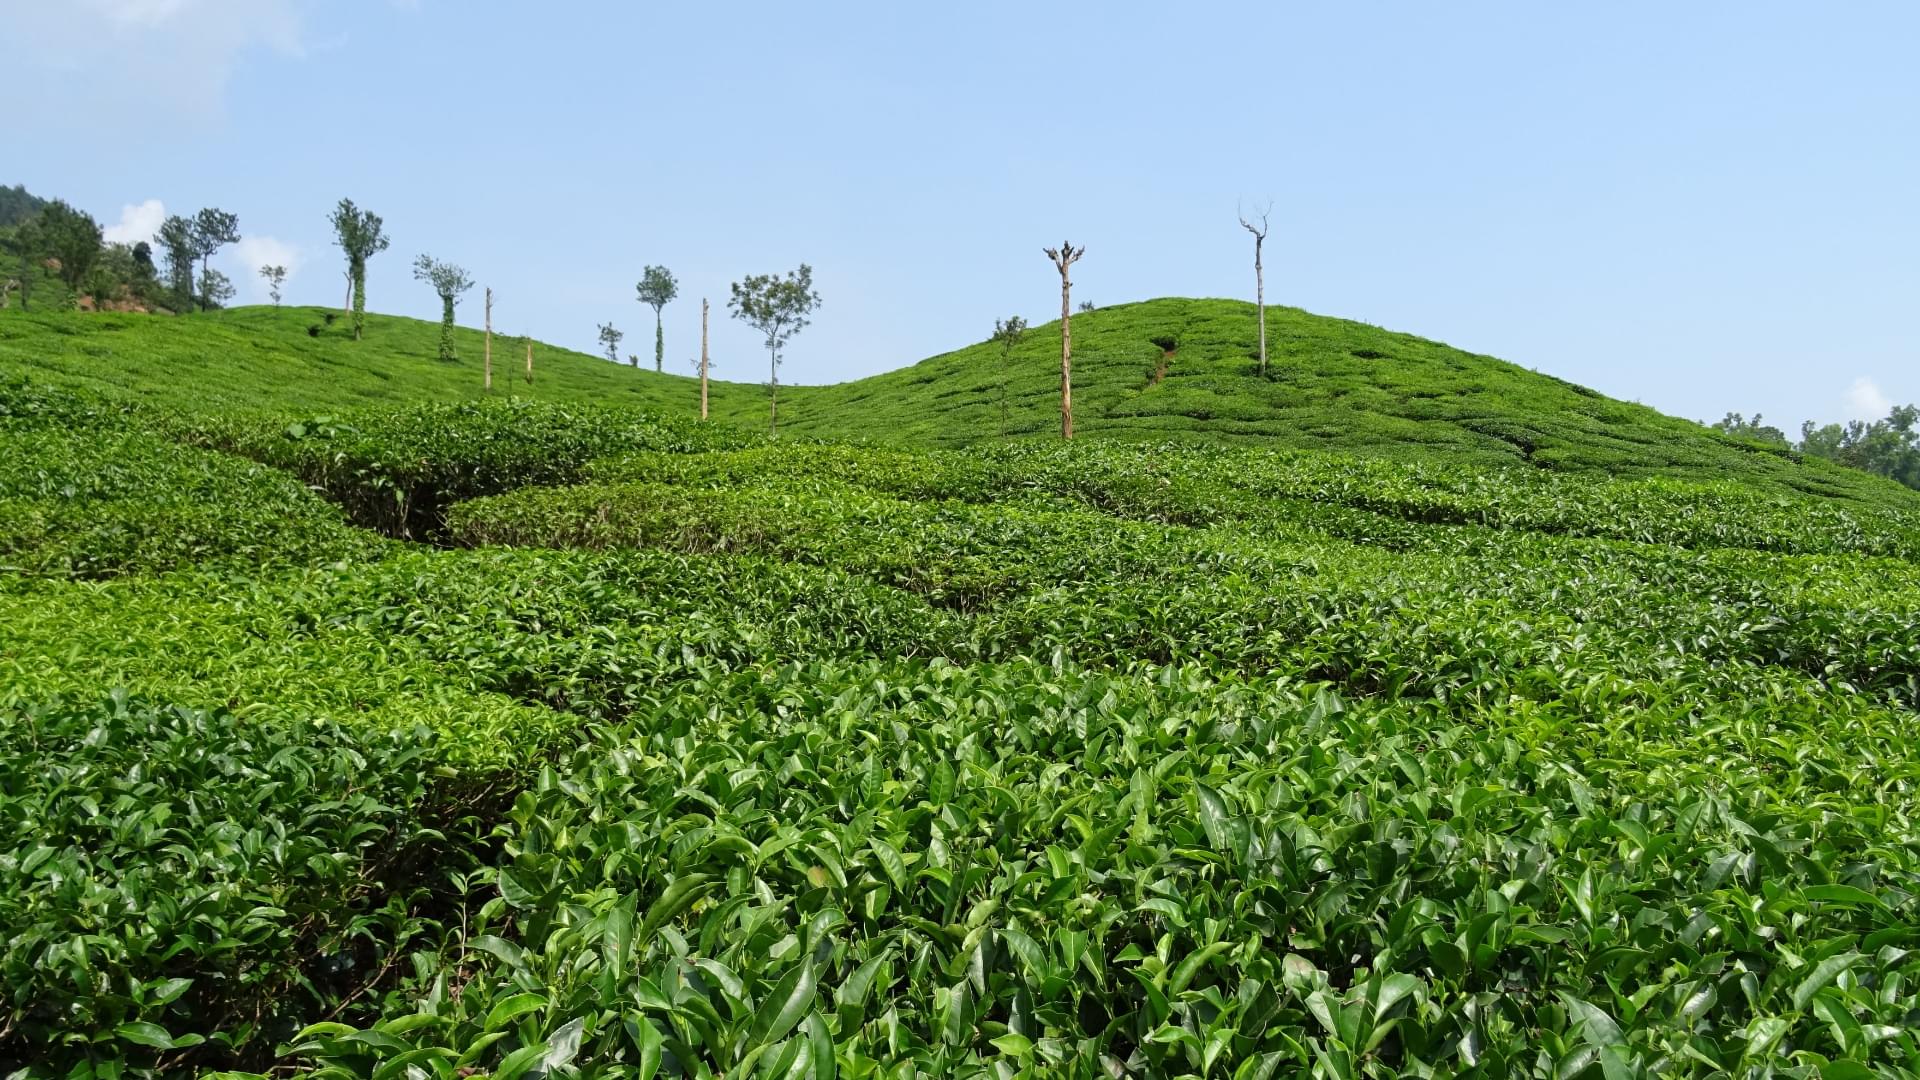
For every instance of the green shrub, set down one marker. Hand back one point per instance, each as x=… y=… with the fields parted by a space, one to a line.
x=183 y=888
x=102 y=502
x=397 y=470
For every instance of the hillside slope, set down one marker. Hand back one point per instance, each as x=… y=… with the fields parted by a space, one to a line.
x=295 y=359
x=1331 y=384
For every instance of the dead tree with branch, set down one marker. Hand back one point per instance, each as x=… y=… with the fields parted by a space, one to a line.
x=1063 y=258
x=1259 y=280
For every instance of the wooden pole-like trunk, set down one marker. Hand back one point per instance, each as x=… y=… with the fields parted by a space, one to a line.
x=1063 y=259
x=1066 y=356
x=1259 y=279
x=773 y=384
x=486 y=349
x=529 y=363
x=1260 y=299
x=703 y=358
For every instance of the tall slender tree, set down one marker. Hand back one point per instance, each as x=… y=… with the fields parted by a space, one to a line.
x=213 y=229
x=361 y=235
x=1007 y=332
x=24 y=245
x=449 y=281
x=778 y=307
x=1063 y=258
x=703 y=358
x=1259 y=277
x=176 y=235
x=276 y=278
x=657 y=288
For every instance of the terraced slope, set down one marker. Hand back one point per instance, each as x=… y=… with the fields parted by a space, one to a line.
x=1331 y=385
x=262 y=357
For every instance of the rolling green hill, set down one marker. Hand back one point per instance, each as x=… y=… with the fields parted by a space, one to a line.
x=305 y=360
x=352 y=726
x=1332 y=385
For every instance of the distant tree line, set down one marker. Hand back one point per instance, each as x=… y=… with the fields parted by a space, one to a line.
x=1888 y=447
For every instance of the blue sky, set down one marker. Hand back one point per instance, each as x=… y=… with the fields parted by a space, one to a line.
x=1701 y=206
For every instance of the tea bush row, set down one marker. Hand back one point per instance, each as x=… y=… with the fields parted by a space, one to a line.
x=900 y=870
x=186 y=886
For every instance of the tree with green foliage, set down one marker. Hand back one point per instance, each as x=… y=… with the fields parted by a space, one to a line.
x=610 y=341
x=779 y=308
x=72 y=238
x=216 y=290
x=1007 y=332
x=657 y=289
x=213 y=229
x=361 y=235
x=22 y=242
x=1740 y=427
x=449 y=281
x=17 y=206
x=276 y=278
x=176 y=235
x=1888 y=447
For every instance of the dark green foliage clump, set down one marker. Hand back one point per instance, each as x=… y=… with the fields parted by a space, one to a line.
x=183 y=888
x=85 y=492
x=397 y=470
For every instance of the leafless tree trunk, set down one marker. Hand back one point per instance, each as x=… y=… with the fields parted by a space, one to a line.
x=773 y=401
x=486 y=348
x=1063 y=258
x=347 y=304
x=1259 y=278
x=529 y=361
x=703 y=358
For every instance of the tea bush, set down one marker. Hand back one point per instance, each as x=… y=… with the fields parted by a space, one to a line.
x=396 y=470
x=184 y=887
x=696 y=755
x=96 y=503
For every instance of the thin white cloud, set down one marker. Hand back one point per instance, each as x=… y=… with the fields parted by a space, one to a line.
x=138 y=223
x=148 y=12
x=1867 y=401
x=244 y=260
x=90 y=58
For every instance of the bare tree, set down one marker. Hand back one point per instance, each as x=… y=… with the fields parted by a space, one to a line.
x=528 y=342
x=1063 y=258
x=703 y=358
x=1259 y=279
x=486 y=348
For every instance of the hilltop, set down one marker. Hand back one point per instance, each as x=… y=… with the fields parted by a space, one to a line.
x=1331 y=384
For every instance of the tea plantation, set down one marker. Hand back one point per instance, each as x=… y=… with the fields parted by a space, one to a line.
x=1497 y=731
